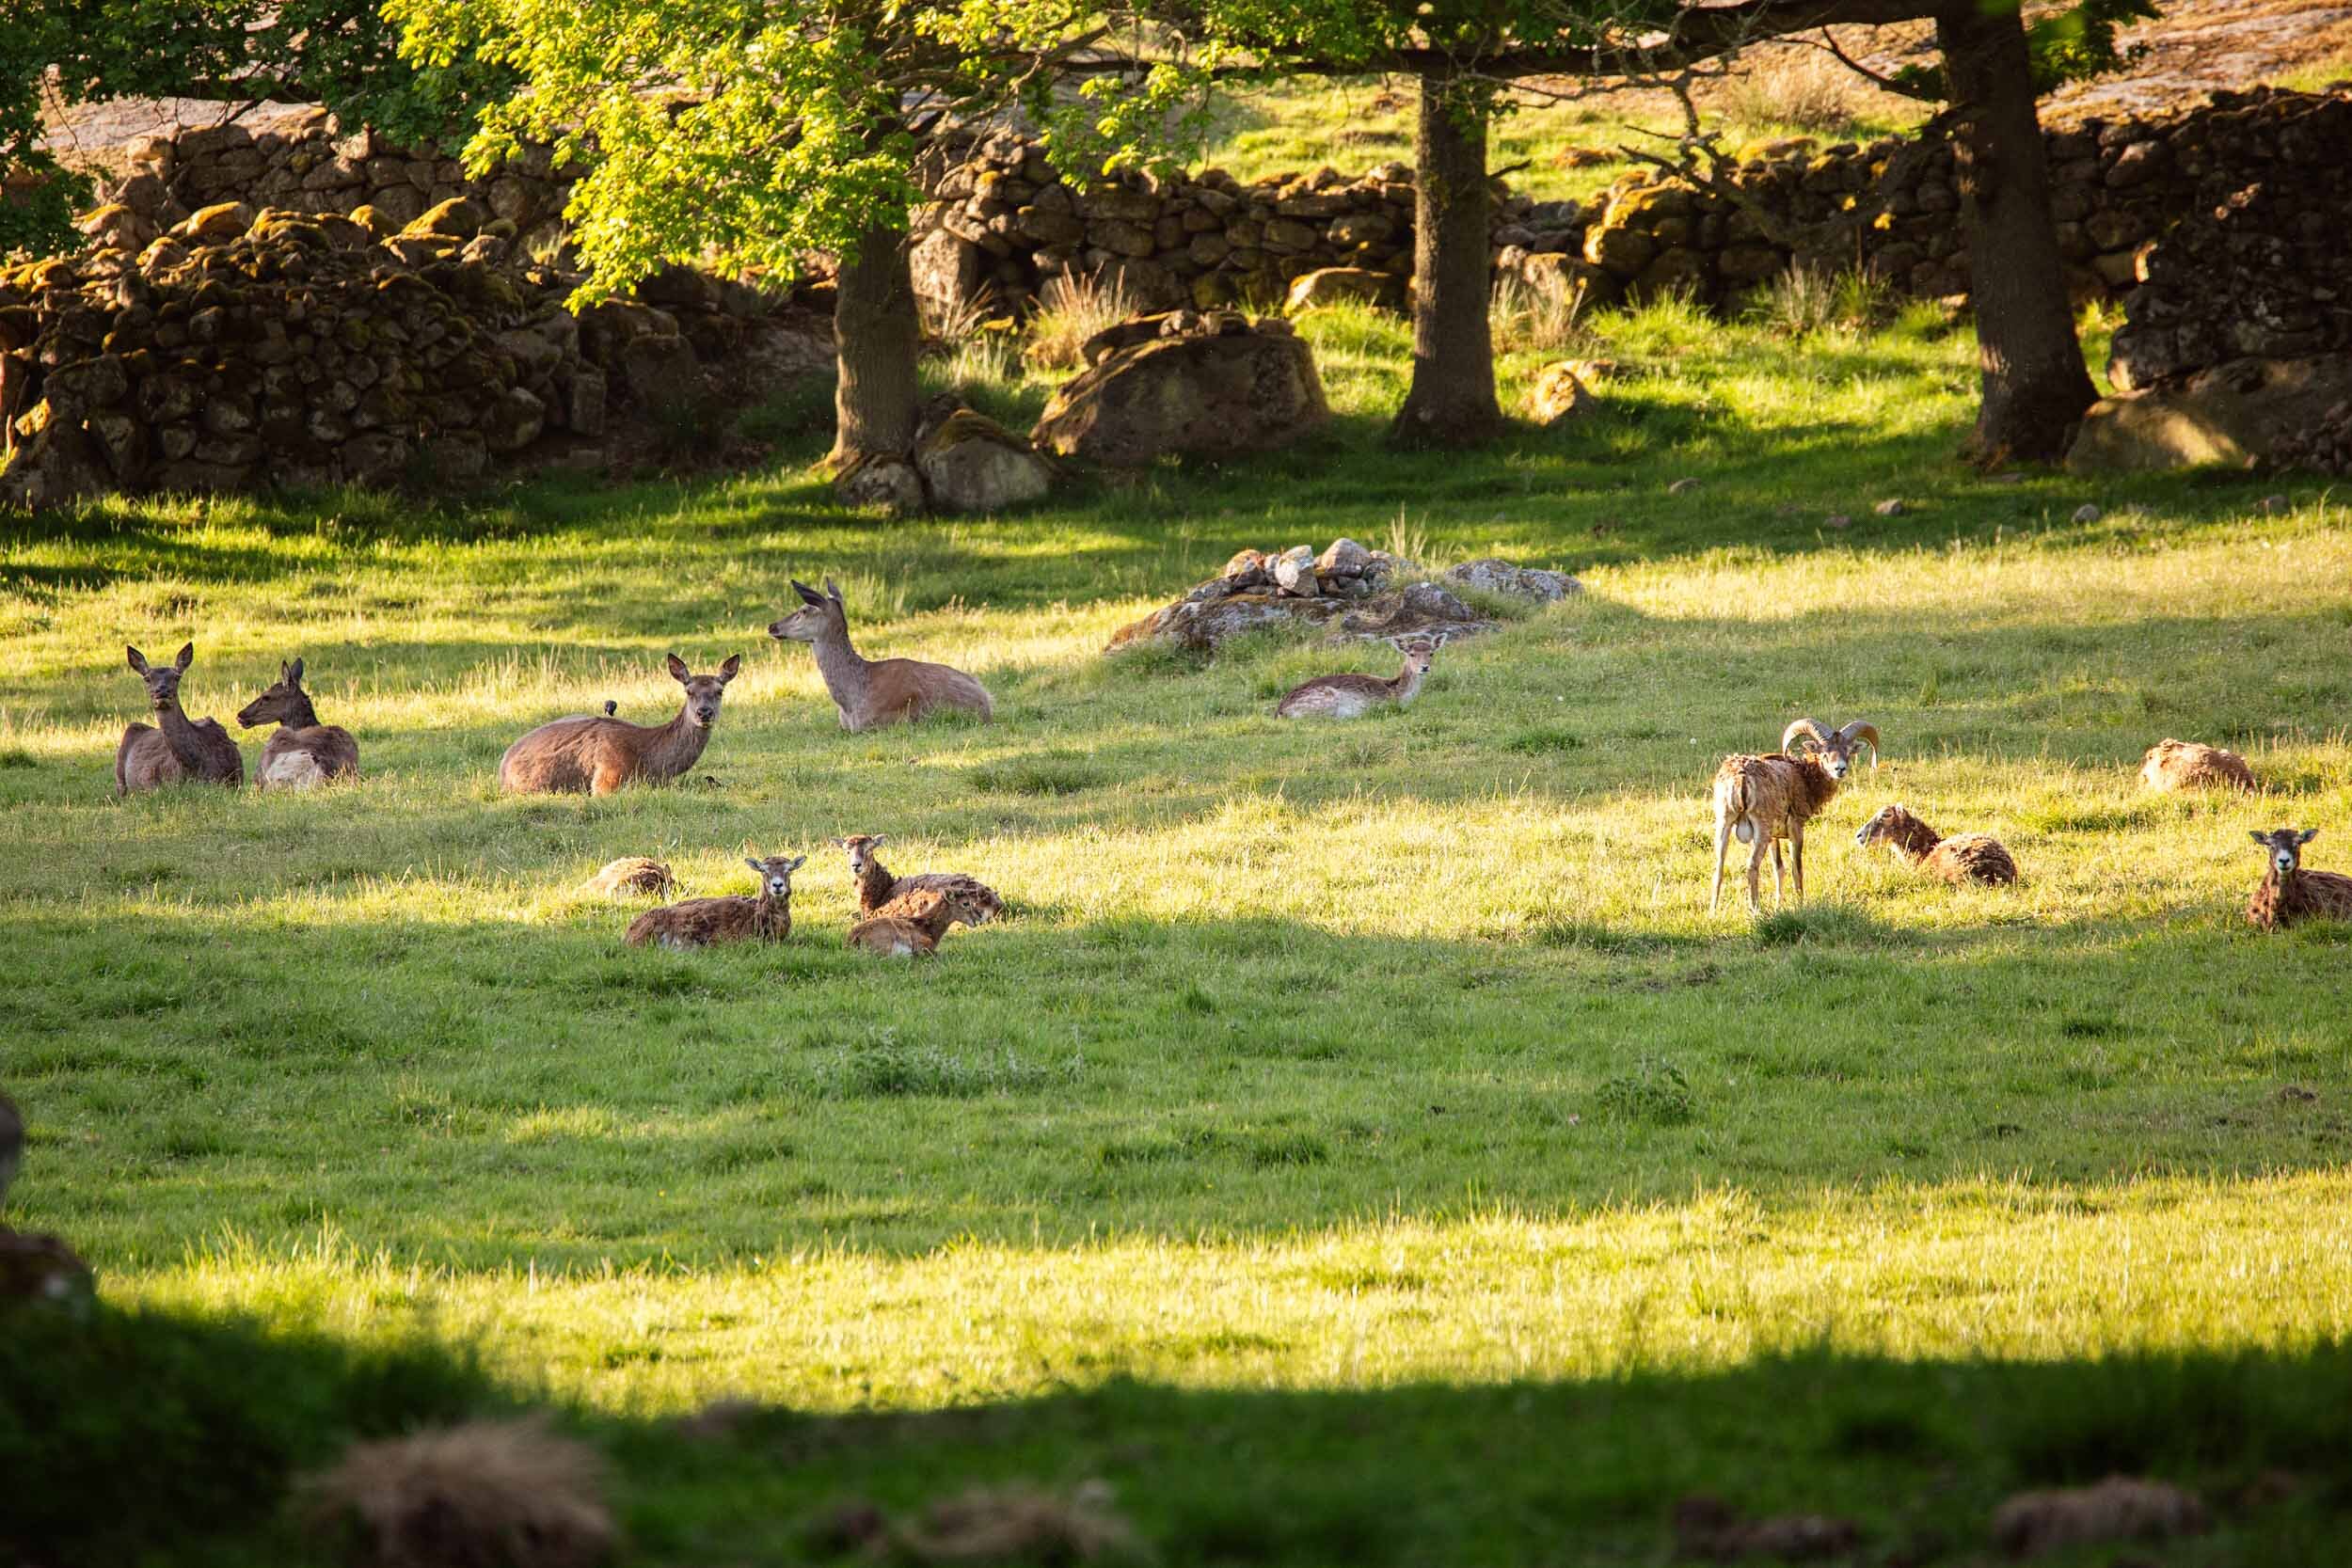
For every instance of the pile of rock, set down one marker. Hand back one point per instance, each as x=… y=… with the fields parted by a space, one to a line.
x=1354 y=592
x=1003 y=222
x=242 y=349
x=1185 y=382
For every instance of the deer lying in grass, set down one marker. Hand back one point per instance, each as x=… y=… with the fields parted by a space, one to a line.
x=708 y=921
x=871 y=691
x=2188 y=765
x=599 y=754
x=304 y=751
x=198 y=751
x=917 y=923
x=1353 y=696
x=1962 y=858
x=880 y=893
x=1762 y=800
x=2288 y=893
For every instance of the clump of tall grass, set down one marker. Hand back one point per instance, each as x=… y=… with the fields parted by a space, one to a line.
x=1523 y=316
x=981 y=346
x=1070 y=310
x=1806 y=300
x=1800 y=85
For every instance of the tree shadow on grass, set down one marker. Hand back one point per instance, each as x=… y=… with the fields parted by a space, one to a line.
x=128 y=1444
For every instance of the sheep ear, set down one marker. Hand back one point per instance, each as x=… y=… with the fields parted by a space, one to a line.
x=2307 y=835
x=293 y=676
x=754 y=865
x=798 y=862
x=677 y=666
x=139 y=661
x=188 y=655
x=878 y=838
x=727 y=672
x=2258 y=838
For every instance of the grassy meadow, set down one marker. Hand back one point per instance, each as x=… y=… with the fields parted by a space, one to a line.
x=1345 y=1110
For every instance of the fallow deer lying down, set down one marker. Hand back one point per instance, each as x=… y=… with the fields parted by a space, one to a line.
x=867 y=692
x=196 y=752
x=2289 y=893
x=600 y=754
x=1353 y=696
x=1962 y=858
x=304 y=751
x=708 y=921
x=880 y=893
x=921 y=919
x=1763 y=799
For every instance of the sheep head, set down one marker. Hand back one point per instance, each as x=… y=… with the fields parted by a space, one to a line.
x=1837 y=748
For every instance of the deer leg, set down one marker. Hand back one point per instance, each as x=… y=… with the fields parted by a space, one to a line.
x=607 y=776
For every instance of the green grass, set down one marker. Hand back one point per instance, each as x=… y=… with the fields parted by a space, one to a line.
x=1389 y=1079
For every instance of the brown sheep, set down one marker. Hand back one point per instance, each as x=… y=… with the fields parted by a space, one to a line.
x=708 y=921
x=878 y=891
x=600 y=754
x=1763 y=799
x=633 y=874
x=870 y=691
x=2186 y=764
x=194 y=751
x=1962 y=858
x=303 y=751
x=922 y=918
x=2288 y=893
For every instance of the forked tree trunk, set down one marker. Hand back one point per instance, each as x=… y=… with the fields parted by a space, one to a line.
x=1452 y=400
x=876 y=336
x=2034 y=386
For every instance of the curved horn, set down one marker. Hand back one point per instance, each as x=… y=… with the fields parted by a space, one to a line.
x=1810 y=728
x=1862 y=730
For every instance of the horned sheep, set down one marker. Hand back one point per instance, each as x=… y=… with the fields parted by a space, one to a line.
x=1763 y=799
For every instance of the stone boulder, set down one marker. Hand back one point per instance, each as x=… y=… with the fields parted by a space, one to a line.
x=1345 y=286
x=1214 y=385
x=1492 y=575
x=1558 y=395
x=970 y=463
x=2244 y=411
x=888 y=483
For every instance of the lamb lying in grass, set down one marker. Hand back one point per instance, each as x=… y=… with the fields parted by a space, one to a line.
x=1962 y=858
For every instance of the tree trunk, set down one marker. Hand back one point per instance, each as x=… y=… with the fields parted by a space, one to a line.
x=877 y=335
x=2034 y=386
x=1452 y=401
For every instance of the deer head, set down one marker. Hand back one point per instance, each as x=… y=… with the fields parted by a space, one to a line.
x=163 y=682
x=703 y=692
x=1419 y=652
x=775 y=874
x=284 y=702
x=820 y=615
x=860 y=847
x=2284 y=846
x=1837 y=748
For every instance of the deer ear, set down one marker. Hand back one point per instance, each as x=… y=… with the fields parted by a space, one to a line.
x=808 y=595
x=727 y=670
x=294 y=676
x=833 y=591
x=677 y=666
x=2307 y=835
x=139 y=661
x=188 y=655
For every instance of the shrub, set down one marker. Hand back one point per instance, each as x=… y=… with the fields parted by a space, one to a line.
x=1655 y=1092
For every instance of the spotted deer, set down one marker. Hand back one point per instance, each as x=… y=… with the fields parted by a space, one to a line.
x=867 y=692
x=1353 y=696
x=180 y=749
x=304 y=751
x=600 y=754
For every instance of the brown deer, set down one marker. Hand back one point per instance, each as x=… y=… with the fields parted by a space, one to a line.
x=880 y=893
x=1762 y=800
x=871 y=691
x=304 y=751
x=196 y=750
x=1353 y=696
x=707 y=922
x=600 y=754
x=2288 y=893
x=1962 y=858
x=918 y=922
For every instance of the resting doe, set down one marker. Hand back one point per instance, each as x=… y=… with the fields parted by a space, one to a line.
x=599 y=754
x=870 y=691
x=304 y=751
x=1353 y=696
x=197 y=751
